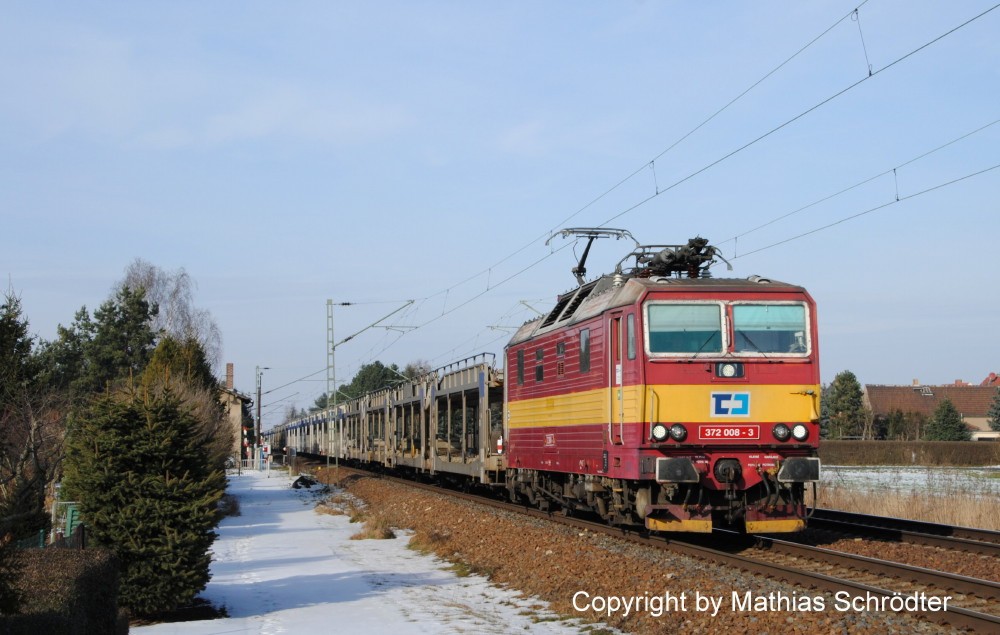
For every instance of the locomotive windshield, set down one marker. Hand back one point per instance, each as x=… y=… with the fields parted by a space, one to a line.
x=693 y=328
x=685 y=328
x=769 y=328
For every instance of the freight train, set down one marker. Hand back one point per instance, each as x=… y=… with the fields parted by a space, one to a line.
x=656 y=395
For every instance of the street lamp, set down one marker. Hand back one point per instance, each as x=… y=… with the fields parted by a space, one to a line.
x=256 y=436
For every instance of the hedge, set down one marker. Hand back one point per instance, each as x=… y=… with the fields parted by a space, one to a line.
x=72 y=591
x=930 y=453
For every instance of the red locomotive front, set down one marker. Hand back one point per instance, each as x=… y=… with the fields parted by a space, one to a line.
x=677 y=402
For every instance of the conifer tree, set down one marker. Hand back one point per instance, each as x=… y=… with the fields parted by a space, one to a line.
x=139 y=469
x=121 y=341
x=17 y=503
x=946 y=424
x=993 y=415
x=844 y=405
x=182 y=367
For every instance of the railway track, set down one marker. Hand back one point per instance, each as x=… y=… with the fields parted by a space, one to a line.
x=967 y=539
x=974 y=604
x=972 y=594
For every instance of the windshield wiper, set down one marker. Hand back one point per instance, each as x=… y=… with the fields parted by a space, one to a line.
x=752 y=343
x=711 y=336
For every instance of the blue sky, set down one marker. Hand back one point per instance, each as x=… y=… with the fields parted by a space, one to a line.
x=286 y=153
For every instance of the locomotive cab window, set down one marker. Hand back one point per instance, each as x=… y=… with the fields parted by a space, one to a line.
x=630 y=335
x=585 y=351
x=770 y=328
x=684 y=328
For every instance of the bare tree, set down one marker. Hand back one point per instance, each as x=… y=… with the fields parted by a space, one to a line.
x=33 y=429
x=173 y=292
x=417 y=368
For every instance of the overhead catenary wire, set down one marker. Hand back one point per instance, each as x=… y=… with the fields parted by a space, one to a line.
x=865 y=181
x=895 y=201
x=802 y=114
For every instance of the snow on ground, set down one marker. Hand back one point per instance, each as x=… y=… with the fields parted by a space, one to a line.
x=983 y=481
x=282 y=568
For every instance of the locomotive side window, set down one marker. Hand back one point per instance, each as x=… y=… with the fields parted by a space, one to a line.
x=769 y=328
x=585 y=350
x=684 y=328
x=520 y=367
x=539 y=373
x=630 y=335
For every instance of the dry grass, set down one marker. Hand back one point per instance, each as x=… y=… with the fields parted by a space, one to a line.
x=375 y=527
x=325 y=508
x=962 y=508
x=336 y=506
x=428 y=540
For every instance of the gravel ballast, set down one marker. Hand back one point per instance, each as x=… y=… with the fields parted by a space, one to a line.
x=632 y=588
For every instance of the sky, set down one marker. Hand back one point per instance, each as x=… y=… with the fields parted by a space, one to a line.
x=284 y=154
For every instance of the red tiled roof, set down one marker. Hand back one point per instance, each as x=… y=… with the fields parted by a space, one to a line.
x=970 y=401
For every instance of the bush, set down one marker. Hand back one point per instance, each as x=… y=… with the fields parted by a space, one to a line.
x=66 y=591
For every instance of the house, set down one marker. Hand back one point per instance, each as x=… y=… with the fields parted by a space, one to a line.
x=972 y=402
x=232 y=403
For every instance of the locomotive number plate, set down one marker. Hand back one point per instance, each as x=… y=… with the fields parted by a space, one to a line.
x=722 y=432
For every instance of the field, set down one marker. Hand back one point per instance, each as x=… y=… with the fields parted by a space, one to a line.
x=968 y=497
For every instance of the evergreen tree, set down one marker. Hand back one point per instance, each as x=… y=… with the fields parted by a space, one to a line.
x=122 y=340
x=182 y=367
x=993 y=415
x=318 y=405
x=844 y=405
x=15 y=372
x=946 y=424
x=17 y=366
x=146 y=489
x=371 y=377
x=91 y=354
x=62 y=361
x=180 y=359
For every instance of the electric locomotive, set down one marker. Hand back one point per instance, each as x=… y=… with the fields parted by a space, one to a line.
x=659 y=394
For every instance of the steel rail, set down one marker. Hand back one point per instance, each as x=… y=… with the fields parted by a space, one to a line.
x=919 y=526
x=909 y=537
x=984 y=589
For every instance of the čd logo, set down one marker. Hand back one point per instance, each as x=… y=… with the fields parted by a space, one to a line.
x=730 y=404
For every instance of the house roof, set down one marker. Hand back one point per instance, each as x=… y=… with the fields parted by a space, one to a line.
x=970 y=401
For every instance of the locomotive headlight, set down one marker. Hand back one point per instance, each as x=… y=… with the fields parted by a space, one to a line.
x=800 y=432
x=659 y=432
x=781 y=432
x=729 y=370
x=678 y=432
